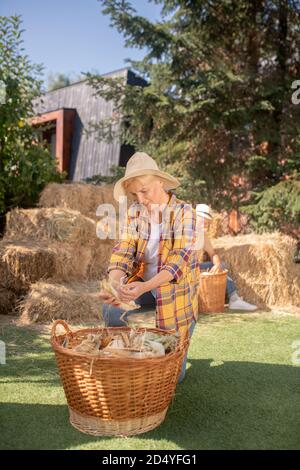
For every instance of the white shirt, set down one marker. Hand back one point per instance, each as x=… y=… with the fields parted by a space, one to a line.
x=151 y=254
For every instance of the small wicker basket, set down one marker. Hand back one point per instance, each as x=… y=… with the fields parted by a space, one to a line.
x=211 y=293
x=109 y=396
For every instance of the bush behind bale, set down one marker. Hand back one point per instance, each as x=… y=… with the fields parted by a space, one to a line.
x=277 y=208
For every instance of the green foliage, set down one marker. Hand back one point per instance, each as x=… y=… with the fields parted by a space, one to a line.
x=218 y=93
x=117 y=172
x=27 y=174
x=276 y=208
x=25 y=162
x=60 y=80
x=57 y=81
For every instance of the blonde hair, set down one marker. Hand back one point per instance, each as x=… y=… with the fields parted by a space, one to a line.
x=145 y=179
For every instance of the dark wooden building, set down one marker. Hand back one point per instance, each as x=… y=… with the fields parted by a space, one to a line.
x=61 y=116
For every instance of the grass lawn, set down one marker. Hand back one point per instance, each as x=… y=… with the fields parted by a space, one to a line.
x=241 y=391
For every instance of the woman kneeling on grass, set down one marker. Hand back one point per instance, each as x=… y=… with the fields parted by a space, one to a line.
x=157 y=251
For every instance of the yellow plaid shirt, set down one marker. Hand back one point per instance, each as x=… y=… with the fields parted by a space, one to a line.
x=176 y=300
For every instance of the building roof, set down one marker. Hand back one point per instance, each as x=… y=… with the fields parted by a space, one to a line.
x=89 y=156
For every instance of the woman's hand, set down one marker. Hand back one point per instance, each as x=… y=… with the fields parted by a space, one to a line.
x=132 y=291
x=108 y=298
x=217 y=267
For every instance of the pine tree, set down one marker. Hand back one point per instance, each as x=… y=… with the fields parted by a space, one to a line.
x=217 y=111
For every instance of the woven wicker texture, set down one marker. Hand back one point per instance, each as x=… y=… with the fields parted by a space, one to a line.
x=129 y=427
x=115 y=395
x=211 y=293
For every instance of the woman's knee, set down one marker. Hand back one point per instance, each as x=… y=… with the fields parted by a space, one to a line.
x=105 y=312
x=112 y=315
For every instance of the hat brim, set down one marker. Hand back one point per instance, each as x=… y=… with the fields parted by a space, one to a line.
x=205 y=215
x=170 y=181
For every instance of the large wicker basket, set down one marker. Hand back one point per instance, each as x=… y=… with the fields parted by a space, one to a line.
x=115 y=395
x=211 y=293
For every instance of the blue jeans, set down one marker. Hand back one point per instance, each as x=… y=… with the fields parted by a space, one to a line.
x=111 y=316
x=183 y=368
x=230 y=285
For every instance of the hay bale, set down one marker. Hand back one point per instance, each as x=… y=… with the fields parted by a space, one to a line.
x=81 y=197
x=64 y=225
x=215 y=228
x=262 y=267
x=23 y=262
x=8 y=301
x=47 y=301
x=99 y=261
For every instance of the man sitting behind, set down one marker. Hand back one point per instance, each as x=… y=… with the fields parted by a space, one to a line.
x=215 y=265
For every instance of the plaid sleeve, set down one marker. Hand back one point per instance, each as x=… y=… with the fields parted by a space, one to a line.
x=184 y=242
x=124 y=252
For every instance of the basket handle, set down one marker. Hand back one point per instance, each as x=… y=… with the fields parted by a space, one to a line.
x=184 y=338
x=55 y=325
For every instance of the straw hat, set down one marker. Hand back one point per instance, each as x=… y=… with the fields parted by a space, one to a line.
x=141 y=164
x=204 y=211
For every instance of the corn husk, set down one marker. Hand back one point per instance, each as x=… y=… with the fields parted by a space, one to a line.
x=169 y=342
x=107 y=286
x=156 y=348
x=137 y=344
x=90 y=345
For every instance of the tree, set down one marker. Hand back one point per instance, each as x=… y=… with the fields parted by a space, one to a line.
x=60 y=80
x=25 y=162
x=217 y=111
x=277 y=208
x=57 y=81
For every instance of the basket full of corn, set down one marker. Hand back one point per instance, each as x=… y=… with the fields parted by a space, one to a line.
x=118 y=380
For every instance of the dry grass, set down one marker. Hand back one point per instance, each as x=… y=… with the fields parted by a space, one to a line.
x=63 y=225
x=263 y=268
x=23 y=262
x=81 y=197
x=99 y=261
x=8 y=301
x=48 y=301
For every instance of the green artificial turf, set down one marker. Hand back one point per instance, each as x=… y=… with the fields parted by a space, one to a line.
x=241 y=391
